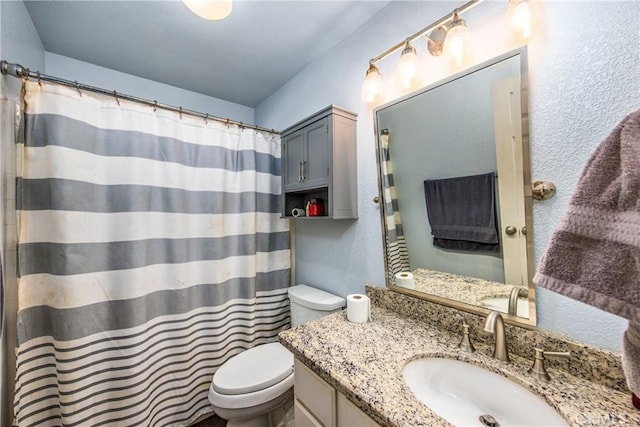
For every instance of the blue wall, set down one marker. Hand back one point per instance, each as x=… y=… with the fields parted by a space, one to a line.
x=581 y=85
x=72 y=69
x=19 y=42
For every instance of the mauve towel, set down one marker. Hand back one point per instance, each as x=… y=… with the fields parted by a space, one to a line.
x=594 y=254
x=631 y=357
x=461 y=212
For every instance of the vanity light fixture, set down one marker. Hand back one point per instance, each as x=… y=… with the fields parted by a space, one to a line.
x=372 y=88
x=458 y=41
x=448 y=36
x=408 y=68
x=519 y=20
x=213 y=10
x=435 y=42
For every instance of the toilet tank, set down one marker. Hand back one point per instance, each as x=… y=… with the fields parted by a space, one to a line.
x=308 y=303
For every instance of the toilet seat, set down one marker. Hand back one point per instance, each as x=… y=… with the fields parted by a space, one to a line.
x=254 y=369
x=252 y=377
x=243 y=401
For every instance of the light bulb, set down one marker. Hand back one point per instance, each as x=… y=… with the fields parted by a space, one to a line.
x=372 y=87
x=457 y=46
x=408 y=68
x=213 y=10
x=519 y=20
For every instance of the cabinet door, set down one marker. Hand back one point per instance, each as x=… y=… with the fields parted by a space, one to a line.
x=316 y=167
x=350 y=415
x=317 y=396
x=292 y=158
x=303 y=417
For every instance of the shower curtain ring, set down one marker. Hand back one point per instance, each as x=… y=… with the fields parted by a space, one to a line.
x=115 y=95
x=155 y=105
x=77 y=88
x=180 y=113
x=227 y=122
x=206 y=117
x=39 y=79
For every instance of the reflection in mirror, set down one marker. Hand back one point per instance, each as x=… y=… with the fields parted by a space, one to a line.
x=456 y=190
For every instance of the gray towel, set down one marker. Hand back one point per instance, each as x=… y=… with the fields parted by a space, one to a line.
x=631 y=357
x=461 y=212
x=594 y=254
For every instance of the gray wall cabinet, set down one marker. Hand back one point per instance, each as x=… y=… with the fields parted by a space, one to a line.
x=319 y=162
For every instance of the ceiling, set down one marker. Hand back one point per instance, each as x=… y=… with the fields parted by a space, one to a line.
x=243 y=58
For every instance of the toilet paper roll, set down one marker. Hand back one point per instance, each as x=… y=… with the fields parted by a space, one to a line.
x=405 y=279
x=358 y=308
x=296 y=212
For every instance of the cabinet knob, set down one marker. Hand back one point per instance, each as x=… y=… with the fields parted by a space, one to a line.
x=510 y=230
x=376 y=199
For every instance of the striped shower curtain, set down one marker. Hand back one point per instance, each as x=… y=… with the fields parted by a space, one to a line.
x=150 y=251
x=395 y=244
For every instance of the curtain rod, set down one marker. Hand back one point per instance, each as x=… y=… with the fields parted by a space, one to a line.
x=17 y=70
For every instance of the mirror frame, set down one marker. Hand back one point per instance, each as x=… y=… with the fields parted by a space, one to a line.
x=531 y=321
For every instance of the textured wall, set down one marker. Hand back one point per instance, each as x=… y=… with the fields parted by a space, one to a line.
x=72 y=69
x=583 y=80
x=582 y=85
x=19 y=42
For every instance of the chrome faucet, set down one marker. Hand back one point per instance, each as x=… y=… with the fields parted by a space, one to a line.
x=494 y=324
x=516 y=291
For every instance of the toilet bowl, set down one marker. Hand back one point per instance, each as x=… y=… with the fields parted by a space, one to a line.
x=250 y=386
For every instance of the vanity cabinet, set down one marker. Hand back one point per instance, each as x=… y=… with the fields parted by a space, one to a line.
x=319 y=162
x=318 y=404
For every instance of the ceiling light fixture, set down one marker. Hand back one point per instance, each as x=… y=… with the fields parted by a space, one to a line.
x=448 y=36
x=213 y=10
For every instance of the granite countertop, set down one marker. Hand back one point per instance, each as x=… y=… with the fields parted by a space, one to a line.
x=365 y=361
x=470 y=290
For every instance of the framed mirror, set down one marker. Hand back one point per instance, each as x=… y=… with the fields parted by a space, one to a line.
x=455 y=190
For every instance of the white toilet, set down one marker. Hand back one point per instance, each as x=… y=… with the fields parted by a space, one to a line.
x=251 y=385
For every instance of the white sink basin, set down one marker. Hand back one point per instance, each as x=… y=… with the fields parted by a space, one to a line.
x=501 y=304
x=461 y=393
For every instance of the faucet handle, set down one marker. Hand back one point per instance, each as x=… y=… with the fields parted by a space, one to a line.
x=461 y=317
x=465 y=343
x=538 y=369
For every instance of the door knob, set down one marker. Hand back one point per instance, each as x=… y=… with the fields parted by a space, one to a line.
x=510 y=230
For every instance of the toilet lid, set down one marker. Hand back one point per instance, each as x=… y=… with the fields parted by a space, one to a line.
x=254 y=369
